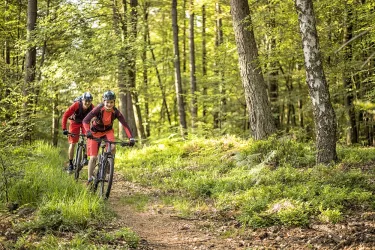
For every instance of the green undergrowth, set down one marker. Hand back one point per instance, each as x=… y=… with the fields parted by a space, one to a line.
x=51 y=204
x=263 y=183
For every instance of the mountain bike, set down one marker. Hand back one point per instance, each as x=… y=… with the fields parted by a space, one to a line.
x=105 y=167
x=79 y=161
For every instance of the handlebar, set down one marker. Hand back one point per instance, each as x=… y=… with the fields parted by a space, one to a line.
x=72 y=135
x=122 y=143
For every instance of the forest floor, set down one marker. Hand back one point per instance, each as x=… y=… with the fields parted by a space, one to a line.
x=161 y=227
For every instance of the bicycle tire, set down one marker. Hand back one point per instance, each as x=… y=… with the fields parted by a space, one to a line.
x=107 y=178
x=97 y=174
x=78 y=162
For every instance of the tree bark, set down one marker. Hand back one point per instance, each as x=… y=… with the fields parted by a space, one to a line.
x=30 y=66
x=204 y=63
x=324 y=115
x=121 y=31
x=273 y=66
x=145 y=67
x=132 y=74
x=220 y=89
x=177 y=71
x=352 y=132
x=193 y=79
x=55 y=119
x=261 y=121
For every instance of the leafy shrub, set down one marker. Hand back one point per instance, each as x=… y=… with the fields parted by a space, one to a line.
x=355 y=155
x=290 y=213
x=286 y=151
x=330 y=215
x=250 y=177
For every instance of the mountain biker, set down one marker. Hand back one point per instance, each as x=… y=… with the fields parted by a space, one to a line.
x=102 y=117
x=75 y=113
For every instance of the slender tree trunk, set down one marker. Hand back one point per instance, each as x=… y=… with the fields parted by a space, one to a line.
x=5 y=77
x=184 y=56
x=178 y=82
x=30 y=61
x=193 y=79
x=132 y=74
x=261 y=120
x=300 y=101
x=122 y=33
x=204 y=63
x=290 y=107
x=42 y=59
x=145 y=67
x=30 y=67
x=352 y=132
x=324 y=115
x=55 y=120
x=218 y=110
x=273 y=69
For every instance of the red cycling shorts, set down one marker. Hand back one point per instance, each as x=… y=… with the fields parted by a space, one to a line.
x=93 y=146
x=75 y=128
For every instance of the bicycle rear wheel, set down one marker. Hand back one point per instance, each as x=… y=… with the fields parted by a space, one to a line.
x=78 y=162
x=105 y=184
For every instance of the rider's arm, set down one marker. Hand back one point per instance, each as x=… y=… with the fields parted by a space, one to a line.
x=86 y=121
x=69 y=112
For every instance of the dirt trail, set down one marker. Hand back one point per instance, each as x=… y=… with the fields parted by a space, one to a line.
x=160 y=227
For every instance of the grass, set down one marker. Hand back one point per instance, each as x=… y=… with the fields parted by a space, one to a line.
x=251 y=178
x=60 y=205
x=137 y=201
x=259 y=183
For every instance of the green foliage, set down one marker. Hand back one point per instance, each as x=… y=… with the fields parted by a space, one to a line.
x=284 y=151
x=123 y=237
x=356 y=155
x=139 y=202
x=252 y=178
x=285 y=212
x=330 y=215
x=124 y=234
x=60 y=203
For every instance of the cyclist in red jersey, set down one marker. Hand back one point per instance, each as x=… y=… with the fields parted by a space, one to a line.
x=101 y=119
x=75 y=113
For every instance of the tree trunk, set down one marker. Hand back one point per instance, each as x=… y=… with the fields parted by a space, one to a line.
x=219 y=90
x=137 y=124
x=145 y=67
x=184 y=38
x=178 y=82
x=204 y=63
x=126 y=71
x=55 y=120
x=30 y=63
x=261 y=120
x=352 y=132
x=324 y=115
x=193 y=79
x=122 y=34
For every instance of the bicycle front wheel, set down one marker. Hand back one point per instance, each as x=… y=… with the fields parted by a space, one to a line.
x=105 y=184
x=78 y=162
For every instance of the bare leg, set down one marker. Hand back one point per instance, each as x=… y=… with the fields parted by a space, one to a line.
x=113 y=149
x=91 y=166
x=71 y=151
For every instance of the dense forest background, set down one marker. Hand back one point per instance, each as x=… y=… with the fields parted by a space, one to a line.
x=175 y=65
x=254 y=118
